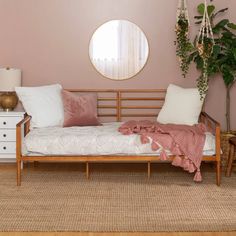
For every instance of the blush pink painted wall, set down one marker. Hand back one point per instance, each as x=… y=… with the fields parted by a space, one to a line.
x=48 y=40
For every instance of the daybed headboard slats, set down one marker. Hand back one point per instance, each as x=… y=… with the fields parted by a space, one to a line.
x=141 y=107
x=118 y=108
x=127 y=103
x=142 y=98
x=140 y=115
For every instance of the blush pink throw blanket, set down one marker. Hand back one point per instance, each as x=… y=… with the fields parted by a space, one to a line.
x=179 y=139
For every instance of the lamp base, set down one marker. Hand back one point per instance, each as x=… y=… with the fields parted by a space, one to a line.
x=8 y=101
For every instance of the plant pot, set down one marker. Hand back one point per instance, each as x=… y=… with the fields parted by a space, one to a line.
x=224 y=139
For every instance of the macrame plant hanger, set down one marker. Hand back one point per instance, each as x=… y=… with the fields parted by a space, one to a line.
x=182 y=11
x=205 y=43
x=182 y=31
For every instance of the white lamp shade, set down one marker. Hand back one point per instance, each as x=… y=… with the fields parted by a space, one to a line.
x=9 y=79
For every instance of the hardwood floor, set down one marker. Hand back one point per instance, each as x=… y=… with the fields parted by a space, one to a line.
x=106 y=168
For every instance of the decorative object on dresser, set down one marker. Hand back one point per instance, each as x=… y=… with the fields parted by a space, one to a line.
x=8 y=121
x=9 y=79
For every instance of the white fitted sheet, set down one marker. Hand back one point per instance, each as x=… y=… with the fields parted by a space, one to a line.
x=92 y=140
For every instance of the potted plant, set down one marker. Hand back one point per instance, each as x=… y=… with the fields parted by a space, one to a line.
x=216 y=59
x=222 y=59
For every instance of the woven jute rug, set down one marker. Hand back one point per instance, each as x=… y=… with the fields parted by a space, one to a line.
x=50 y=200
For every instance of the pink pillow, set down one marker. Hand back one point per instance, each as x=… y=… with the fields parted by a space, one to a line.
x=79 y=110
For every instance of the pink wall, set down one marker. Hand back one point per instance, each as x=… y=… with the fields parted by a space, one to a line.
x=48 y=40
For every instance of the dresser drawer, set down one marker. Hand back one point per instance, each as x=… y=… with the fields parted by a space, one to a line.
x=7 y=135
x=7 y=122
x=7 y=147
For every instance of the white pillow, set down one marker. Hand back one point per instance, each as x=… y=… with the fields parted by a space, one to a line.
x=182 y=106
x=43 y=103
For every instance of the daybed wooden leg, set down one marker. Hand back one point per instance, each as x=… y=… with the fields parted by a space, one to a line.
x=87 y=170
x=149 y=170
x=218 y=173
x=18 y=173
x=22 y=165
x=36 y=164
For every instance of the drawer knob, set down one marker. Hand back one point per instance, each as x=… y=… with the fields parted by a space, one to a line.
x=4 y=135
x=4 y=122
x=4 y=148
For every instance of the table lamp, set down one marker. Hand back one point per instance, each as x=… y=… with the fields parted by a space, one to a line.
x=9 y=79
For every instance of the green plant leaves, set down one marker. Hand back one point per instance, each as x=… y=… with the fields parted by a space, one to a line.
x=232 y=26
x=198 y=17
x=210 y=9
x=234 y=53
x=222 y=23
x=220 y=26
x=227 y=74
x=220 y=11
x=216 y=50
x=201 y=9
x=222 y=61
x=223 y=57
x=183 y=44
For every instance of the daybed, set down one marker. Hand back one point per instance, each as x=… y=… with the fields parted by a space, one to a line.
x=119 y=105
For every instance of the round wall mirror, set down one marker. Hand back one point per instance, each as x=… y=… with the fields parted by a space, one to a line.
x=119 y=49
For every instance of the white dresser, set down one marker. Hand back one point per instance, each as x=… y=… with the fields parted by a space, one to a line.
x=8 y=121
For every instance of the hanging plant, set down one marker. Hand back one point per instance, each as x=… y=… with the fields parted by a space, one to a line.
x=204 y=45
x=204 y=49
x=183 y=43
x=218 y=57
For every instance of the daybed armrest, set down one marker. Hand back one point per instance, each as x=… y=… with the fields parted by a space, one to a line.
x=23 y=124
x=211 y=124
x=214 y=127
x=204 y=117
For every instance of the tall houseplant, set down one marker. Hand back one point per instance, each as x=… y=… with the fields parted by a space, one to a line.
x=222 y=60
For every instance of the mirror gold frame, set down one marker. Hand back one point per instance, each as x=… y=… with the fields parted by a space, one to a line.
x=119 y=49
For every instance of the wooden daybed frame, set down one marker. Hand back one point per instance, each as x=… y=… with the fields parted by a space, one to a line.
x=119 y=104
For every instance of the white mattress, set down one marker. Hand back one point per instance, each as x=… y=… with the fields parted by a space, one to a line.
x=92 y=140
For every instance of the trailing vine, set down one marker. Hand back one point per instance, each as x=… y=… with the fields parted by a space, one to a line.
x=183 y=43
x=204 y=49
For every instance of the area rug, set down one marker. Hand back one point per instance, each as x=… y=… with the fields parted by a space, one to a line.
x=116 y=201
